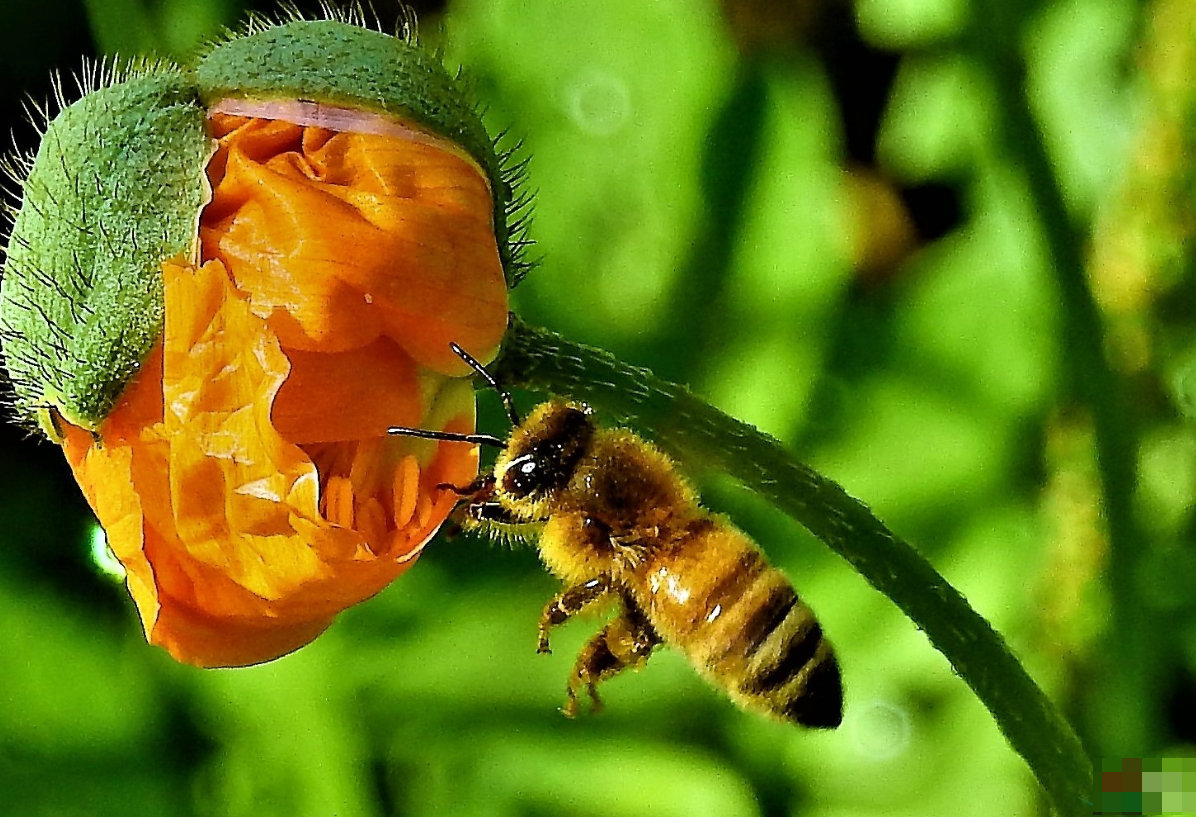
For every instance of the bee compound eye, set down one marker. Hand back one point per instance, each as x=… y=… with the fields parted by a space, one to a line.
x=522 y=476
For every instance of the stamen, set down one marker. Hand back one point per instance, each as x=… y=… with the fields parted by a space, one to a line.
x=423 y=508
x=406 y=490
x=339 y=501
x=368 y=471
x=371 y=521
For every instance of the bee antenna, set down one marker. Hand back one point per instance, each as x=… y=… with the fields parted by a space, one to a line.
x=449 y=436
x=505 y=395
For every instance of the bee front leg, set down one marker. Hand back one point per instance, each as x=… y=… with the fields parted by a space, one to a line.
x=624 y=643
x=569 y=603
x=483 y=485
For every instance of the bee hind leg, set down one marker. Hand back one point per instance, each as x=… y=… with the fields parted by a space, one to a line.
x=625 y=643
x=569 y=603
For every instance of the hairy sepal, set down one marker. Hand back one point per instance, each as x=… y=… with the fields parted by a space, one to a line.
x=115 y=188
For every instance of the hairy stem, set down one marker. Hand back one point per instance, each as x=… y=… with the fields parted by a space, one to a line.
x=679 y=421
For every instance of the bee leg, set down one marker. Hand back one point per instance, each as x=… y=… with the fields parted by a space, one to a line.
x=459 y=490
x=569 y=603
x=493 y=513
x=624 y=643
x=489 y=512
x=472 y=489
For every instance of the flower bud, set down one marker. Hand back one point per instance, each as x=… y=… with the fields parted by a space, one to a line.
x=224 y=285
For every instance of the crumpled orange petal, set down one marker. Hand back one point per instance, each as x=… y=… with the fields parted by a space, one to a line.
x=348 y=236
x=214 y=514
x=245 y=479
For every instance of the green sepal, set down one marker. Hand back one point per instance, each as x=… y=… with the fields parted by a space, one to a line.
x=116 y=188
x=339 y=63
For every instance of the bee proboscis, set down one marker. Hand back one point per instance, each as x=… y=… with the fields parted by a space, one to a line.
x=619 y=522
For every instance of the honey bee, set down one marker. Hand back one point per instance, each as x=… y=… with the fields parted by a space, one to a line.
x=618 y=522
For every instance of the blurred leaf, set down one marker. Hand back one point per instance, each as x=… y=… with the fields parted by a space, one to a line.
x=790 y=267
x=166 y=27
x=936 y=118
x=609 y=97
x=1075 y=57
x=910 y=23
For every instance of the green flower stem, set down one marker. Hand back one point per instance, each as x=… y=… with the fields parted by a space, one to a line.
x=1125 y=698
x=680 y=422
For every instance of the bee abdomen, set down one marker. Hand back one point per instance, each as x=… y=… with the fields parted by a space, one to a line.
x=781 y=664
x=738 y=620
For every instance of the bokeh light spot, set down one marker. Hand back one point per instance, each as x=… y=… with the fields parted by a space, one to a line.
x=880 y=730
x=598 y=102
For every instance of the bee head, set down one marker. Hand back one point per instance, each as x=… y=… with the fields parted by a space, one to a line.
x=544 y=450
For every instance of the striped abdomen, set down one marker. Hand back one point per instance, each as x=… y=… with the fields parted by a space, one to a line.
x=714 y=597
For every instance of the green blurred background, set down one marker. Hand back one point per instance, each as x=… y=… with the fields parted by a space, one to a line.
x=808 y=212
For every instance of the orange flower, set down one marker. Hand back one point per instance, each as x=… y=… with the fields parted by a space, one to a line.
x=245 y=478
